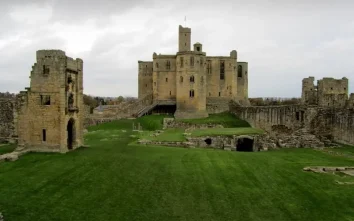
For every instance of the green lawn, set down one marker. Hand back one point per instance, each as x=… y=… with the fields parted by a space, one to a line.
x=113 y=181
x=226 y=131
x=225 y=119
x=152 y=122
x=7 y=148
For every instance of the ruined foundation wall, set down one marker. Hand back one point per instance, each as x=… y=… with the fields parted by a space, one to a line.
x=7 y=118
x=330 y=123
x=350 y=103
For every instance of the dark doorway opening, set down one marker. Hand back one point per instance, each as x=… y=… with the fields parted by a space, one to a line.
x=71 y=133
x=244 y=144
x=208 y=141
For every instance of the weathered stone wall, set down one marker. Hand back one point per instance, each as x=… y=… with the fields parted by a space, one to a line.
x=172 y=123
x=7 y=119
x=217 y=104
x=325 y=123
x=145 y=78
x=53 y=104
x=328 y=92
x=350 y=103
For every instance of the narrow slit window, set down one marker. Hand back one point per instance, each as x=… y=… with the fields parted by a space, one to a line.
x=44 y=135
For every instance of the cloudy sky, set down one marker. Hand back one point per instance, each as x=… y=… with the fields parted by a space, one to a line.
x=283 y=40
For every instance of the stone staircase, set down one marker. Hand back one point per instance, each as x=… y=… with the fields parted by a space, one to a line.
x=145 y=110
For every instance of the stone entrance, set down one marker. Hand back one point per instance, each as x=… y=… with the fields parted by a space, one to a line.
x=71 y=133
x=244 y=144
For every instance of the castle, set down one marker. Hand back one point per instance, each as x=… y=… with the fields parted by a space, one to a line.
x=195 y=83
x=49 y=115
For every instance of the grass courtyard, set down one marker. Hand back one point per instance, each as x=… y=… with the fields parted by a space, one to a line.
x=111 y=180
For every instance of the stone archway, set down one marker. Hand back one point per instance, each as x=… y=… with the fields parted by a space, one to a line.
x=71 y=134
x=244 y=144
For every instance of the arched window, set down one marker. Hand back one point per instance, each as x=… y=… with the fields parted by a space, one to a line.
x=191 y=79
x=168 y=65
x=157 y=64
x=239 y=71
x=191 y=93
x=181 y=79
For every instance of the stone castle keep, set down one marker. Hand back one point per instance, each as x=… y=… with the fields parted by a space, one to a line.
x=50 y=111
x=195 y=83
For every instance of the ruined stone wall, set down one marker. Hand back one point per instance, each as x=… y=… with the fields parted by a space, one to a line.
x=7 y=119
x=327 y=123
x=265 y=117
x=309 y=91
x=332 y=92
x=54 y=99
x=242 y=81
x=350 y=103
x=329 y=92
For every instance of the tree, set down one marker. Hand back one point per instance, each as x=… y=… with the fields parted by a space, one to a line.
x=120 y=99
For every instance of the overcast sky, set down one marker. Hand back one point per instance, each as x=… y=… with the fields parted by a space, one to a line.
x=283 y=40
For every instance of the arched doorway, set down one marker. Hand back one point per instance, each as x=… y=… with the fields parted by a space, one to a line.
x=71 y=133
x=244 y=144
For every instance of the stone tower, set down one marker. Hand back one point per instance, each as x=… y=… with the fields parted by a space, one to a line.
x=184 y=39
x=190 y=78
x=50 y=114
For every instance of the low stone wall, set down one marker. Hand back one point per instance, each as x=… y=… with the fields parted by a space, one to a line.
x=7 y=119
x=260 y=142
x=92 y=120
x=172 y=123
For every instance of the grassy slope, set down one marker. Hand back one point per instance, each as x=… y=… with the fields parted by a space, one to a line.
x=226 y=131
x=225 y=119
x=113 y=181
x=7 y=148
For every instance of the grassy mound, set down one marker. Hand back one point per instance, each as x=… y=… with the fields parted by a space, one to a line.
x=226 y=119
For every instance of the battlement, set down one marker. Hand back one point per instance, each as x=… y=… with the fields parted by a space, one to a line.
x=74 y=65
